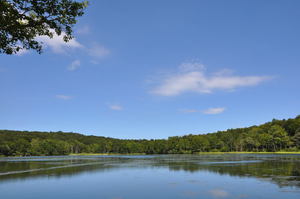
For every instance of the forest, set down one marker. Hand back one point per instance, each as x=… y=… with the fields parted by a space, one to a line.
x=277 y=135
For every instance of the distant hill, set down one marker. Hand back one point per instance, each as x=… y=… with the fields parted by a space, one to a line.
x=277 y=135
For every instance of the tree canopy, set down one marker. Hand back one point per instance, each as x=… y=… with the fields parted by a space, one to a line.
x=22 y=21
x=272 y=136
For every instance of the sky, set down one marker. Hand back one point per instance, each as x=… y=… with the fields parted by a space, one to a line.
x=154 y=69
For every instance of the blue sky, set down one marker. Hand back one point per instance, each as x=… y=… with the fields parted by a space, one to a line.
x=153 y=69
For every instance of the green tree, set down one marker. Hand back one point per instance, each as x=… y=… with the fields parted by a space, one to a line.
x=199 y=143
x=5 y=149
x=21 y=21
x=35 y=147
x=272 y=136
x=280 y=137
x=21 y=147
x=296 y=139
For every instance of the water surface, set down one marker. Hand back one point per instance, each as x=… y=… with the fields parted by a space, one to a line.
x=236 y=176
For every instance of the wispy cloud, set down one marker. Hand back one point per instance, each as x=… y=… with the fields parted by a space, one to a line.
x=214 y=111
x=57 y=43
x=192 y=78
x=83 y=30
x=63 y=97
x=94 y=62
x=116 y=107
x=189 y=110
x=74 y=65
x=98 y=51
x=209 y=111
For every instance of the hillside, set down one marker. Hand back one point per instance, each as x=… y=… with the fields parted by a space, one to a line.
x=277 y=135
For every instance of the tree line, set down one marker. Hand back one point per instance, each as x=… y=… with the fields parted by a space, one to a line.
x=277 y=135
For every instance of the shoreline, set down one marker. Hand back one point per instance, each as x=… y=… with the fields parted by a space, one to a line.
x=199 y=153
x=136 y=154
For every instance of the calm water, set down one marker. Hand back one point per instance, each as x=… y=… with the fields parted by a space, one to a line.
x=144 y=177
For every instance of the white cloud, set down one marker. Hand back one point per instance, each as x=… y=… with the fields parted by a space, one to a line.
x=74 y=65
x=191 y=66
x=57 y=44
x=192 y=78
x=210 y=111
x=94 y=62
x=98 y=51
x=224 y=72
x=116 y=107
x=189 y=110
x=213 y=111
x=64 y=97
x=219 y=193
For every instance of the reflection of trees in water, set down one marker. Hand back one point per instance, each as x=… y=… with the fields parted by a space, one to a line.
x=282 y=170
x=57 y=169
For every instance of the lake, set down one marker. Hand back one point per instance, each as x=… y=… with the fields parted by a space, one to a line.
x=234 y=176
